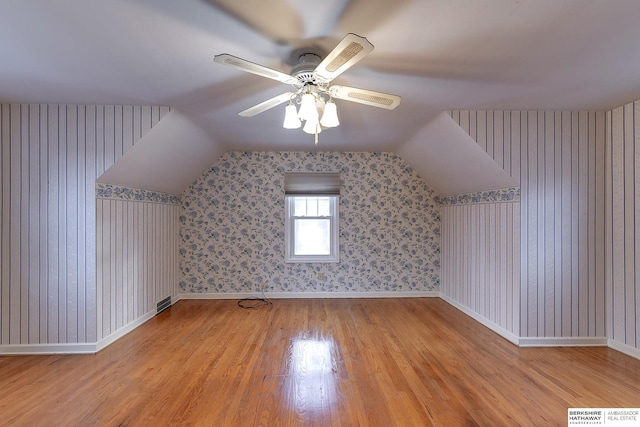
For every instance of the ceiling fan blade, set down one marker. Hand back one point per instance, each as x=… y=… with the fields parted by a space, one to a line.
x=278 y=20
x=369 y=15
x=254 y=68
x=351 y=49
x=363 y=96
x=266 y=105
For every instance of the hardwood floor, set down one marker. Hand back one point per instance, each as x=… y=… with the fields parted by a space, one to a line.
x=371 y=362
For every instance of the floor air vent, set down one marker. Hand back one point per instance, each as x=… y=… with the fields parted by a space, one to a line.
x=163 y=305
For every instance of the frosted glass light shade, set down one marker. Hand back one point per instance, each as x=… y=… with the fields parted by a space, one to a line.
x=307 y=107
x=330 y=116
x=312 y=126
x=291 y=120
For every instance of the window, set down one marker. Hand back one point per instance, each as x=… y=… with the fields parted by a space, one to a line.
x=311 y=219
x=311 y=228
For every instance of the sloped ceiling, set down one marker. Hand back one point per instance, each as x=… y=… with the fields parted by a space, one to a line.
x=458 y=54
x=172 y=155
x=451 y=161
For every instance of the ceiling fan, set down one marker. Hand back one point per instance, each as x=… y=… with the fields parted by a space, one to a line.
x=310 y=79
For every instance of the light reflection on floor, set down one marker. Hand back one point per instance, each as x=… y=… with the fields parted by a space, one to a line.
x=313 y=378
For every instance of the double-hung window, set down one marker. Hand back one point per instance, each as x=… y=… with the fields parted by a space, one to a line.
x=311 y=219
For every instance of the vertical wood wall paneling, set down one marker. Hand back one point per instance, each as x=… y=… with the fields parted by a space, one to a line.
x=15 y=255
x=479 y=263
x=49 y=160
x=555 y=238
x=530 y=194
x=138 y=260
x=5 y=225
x=576 y=201
x=69 y=209
x=600 y=224
x=547 y=249
x=32 y=124
x=91 y=149
x=118 y=305
x=514 y=282
x=559 y=159
x=635 y=308
x=622 y=233
x=618 y=231
x=633 y=312
x=564 y=237
x=608 y=224
x=629 y=226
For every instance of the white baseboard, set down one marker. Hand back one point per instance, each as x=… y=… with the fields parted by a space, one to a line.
x=286 y=295
x=539 y=341
x=42 y=349
x=562 y=342
x=90 y=348
x=486 y=322
x=110 y=339
x=624 y=348
x=79 y=348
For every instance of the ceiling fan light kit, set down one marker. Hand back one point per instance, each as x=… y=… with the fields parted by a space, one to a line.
x=310 y=79
x=330 y=115
x=308 y=107
x=291 y=119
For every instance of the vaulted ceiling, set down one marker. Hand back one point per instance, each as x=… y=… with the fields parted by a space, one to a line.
x=437 y=55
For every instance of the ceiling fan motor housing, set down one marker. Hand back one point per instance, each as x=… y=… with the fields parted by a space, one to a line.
x=304 y=69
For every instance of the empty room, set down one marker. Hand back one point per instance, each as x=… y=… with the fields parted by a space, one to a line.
x=348 y=212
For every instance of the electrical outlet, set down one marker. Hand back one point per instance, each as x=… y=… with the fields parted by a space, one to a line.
x=320 y=276
x=263 y=285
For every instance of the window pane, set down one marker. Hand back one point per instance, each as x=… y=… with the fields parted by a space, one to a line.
x=312 y=206
x=300 y=207
x=324 y=206
x=312 y=237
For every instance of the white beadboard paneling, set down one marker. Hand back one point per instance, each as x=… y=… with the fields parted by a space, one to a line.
x=633 y=309
x=628 y=305
x=14 y=254
x=481 y=129
x=479 y=269
x=5 y=223
x=50 y=158
x=558 y=157
x=622 y=226
x=516 y=144
x=618 y=231
x=138 y=261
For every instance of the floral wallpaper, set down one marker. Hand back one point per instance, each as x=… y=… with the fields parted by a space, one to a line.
x=109 y=191
x=511 y=194
x=232 y=226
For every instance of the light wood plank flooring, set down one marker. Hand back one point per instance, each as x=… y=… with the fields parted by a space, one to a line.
x=316 y=362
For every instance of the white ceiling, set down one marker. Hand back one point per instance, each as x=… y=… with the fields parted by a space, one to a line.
x=437 y=55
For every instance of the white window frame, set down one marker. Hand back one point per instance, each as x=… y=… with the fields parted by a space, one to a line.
x=289 y=233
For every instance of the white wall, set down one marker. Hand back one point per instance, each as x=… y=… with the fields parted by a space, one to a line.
x=558 y=157
x=50 y=158
x=622 y=210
